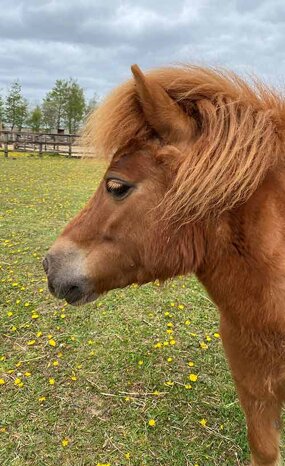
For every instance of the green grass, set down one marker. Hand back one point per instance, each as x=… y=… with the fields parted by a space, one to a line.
x=111 y=377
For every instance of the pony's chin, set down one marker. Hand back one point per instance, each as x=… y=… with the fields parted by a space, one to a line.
x=89 y=298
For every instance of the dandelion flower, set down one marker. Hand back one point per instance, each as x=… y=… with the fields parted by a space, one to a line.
x=2 y=381
x=151 y=422
x=51 y=381
x=203 y=422
x=52 y=342
x=31 y=342
x=65 y=442
x=193 y=377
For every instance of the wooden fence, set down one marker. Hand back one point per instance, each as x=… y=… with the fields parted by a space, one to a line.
x=22 y=141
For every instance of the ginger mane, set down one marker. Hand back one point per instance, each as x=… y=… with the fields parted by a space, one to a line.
x=241 y=136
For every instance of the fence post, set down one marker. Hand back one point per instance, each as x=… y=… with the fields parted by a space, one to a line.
x=40 y=146
x=6 y=145
x=69 y=147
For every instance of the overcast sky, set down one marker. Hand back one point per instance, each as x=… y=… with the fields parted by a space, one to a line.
x=96 y=41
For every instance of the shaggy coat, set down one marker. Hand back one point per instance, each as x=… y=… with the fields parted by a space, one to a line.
x=196 y=183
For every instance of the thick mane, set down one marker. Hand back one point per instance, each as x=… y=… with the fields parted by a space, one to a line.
x=241 y=135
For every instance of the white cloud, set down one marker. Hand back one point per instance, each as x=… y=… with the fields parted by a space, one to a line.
x=96 y=41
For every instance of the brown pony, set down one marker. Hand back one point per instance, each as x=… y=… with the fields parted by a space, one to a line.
x=196 y=183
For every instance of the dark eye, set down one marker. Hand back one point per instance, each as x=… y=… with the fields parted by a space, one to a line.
x=118 y=189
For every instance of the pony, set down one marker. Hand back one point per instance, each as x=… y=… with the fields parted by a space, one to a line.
x=195 y=184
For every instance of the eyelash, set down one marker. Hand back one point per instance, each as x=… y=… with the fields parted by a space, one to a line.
x=117 y=189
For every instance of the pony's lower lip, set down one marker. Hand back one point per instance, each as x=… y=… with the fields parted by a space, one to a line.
x=86 y=299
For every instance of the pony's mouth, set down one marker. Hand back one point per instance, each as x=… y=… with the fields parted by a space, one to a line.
x=76 y=294
x=83 y=300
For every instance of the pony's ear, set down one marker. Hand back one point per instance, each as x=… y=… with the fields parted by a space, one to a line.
x=163 y=114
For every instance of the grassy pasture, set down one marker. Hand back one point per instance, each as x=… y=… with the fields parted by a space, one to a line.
x=138 y=378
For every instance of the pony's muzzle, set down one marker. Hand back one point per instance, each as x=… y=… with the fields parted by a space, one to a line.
x=66 y=279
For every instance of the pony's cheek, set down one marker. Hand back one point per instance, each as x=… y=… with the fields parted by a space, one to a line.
x=108 y=268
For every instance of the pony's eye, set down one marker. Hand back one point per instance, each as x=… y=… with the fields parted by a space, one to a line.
x=118 y=189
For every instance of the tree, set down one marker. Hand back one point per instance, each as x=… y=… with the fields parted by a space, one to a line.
x=92 y=104
x=53 y=105
x=74 y=107
x=35 y=119
x=2 y=111
x=16 y=107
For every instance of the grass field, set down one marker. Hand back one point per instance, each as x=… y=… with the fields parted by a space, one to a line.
x=137 y=378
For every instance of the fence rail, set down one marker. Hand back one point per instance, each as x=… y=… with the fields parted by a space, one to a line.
x=22 y=141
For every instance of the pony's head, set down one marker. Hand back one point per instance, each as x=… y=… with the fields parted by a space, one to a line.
x=178 y=157
x=123 y=235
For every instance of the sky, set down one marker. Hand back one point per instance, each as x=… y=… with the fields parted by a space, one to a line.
x=96 y=41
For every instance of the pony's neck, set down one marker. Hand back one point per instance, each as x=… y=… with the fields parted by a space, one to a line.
x=244 y=264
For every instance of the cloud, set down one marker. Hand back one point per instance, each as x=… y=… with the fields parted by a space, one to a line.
x=97 y=41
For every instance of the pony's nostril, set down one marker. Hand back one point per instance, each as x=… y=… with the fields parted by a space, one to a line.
x=45 y=264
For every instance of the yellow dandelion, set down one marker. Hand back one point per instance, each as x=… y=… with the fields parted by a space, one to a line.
x=204 y=345
x=27 y=374
x=151 y=422
x=9 y=313
x=193 y=377
x=140 y=363
x=127 y=456
x=35 y=315
x=39 y=334
x=42 y=399
x=188 y=386
x=31 y=342
x=181 y=307
x=158 y=345
x=217 y=335
x=65 y=442
x=169 y=359
x=52 y=342
x=191 y=364
x=55 y=363
x=51 y=381
x=203 y=422
x=172 y=342
x=169 y=383
x=2 y=381
x=187 y=322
